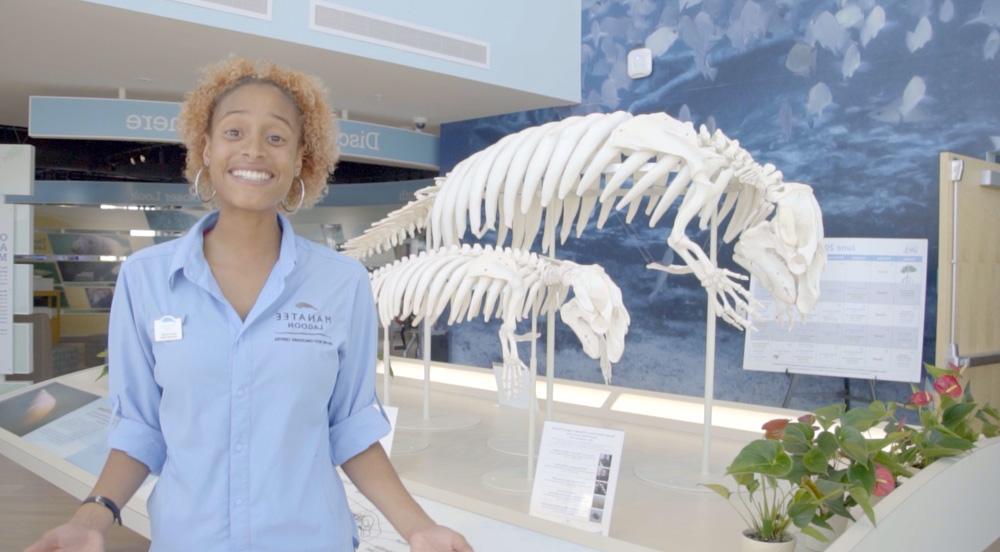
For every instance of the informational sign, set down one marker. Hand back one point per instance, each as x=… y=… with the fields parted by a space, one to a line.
x=152 y=121
x=576 y=476
x=868 y=324
x=6 y=289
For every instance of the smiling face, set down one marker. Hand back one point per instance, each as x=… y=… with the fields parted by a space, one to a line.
x=252 y=150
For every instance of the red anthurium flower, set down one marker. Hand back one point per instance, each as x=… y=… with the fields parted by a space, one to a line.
x=884 y=481
x=807 y=419
x=775 y=429
x=921 y=398
x=948 y=385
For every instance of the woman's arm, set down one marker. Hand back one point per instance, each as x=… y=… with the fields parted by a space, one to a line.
x=85 y=531
x=375 y=477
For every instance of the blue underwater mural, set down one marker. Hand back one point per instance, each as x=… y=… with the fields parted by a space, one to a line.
x=854 y=97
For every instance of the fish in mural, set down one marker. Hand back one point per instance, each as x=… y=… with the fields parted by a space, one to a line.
x=684 y=115
x=873 y=24
x=850 y=16
x=905 y=108
x=989 y=13
x=685 y=4
x=991 y=45
x=826 y=30
x=852 y=60
x=801 y=59
x=661 y=40
x=700 y=34
x=946 y=12
x=820 y=98
x=920 y=36
x=750 y=25
x=913 y=94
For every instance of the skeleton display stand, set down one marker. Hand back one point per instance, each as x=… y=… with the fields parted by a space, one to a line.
x=403 y=443
x=513 y=479
x=679 y=473
x=425 y=421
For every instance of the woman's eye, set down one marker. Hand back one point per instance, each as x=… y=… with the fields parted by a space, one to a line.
x=231 y=133
x=275 y=139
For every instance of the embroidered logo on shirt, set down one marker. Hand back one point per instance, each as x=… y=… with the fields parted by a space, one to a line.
x=303 y=324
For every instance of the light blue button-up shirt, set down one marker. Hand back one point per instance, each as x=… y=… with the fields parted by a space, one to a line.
x=244 y=420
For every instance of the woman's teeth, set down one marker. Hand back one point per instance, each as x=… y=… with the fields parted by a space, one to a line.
x=258 y=176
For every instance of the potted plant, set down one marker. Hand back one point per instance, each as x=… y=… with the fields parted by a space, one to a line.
x=950 y=420
x=767 y=501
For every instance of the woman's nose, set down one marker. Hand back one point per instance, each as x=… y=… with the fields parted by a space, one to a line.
x=253 y=147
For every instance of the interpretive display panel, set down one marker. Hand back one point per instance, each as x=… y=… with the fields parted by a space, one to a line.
x=26 y=412
x=576 y=476
x=869 y=322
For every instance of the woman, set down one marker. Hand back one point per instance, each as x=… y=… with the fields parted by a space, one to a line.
x=241 y=356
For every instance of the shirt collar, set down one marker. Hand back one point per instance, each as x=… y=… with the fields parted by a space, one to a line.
x=190 y=253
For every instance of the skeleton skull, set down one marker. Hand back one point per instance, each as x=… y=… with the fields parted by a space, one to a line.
x=786 y=253
x=596 y=315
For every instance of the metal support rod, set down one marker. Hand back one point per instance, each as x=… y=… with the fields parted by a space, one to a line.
x=706 y=448
x=550 y=348
x=533 y=395
x=426 y=350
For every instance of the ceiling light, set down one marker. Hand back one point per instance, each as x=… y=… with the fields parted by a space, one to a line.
x=140 y=233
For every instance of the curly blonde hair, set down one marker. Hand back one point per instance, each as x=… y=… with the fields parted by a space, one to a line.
x=319 y=130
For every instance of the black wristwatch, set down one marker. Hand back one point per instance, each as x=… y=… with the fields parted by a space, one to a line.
x=107 y=503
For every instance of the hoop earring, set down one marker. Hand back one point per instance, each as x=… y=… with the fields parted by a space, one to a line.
x=197 y=192
x=302 y=198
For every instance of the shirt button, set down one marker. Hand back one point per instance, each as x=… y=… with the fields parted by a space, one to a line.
x=239 y=501
x=240 y=392
x=239 y=447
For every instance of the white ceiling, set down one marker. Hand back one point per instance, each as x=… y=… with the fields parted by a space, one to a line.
x=74 y=48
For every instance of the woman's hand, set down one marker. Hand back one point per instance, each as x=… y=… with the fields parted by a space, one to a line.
x=437 y=538
x=70 y=537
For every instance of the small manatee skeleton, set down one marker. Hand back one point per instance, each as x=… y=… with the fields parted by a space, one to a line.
x=396 y=227
x=556 y=170
x=512 y=284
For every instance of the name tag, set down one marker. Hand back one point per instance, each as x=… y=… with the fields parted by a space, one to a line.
x=168 y=328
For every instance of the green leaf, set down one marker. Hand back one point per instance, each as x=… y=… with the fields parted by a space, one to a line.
x=894 y=465
x=816 y=461
x=720 y=490
x=761 y=456
x=862 y=475
x=955 y=413
x=936 y=372
x=853 y=443
x=827 y=443
x=942 y=437
x=827 y=415
x=863 y=499
x=991 y=412
x=861 y=418
x=797 y=438
x=798 y=470
x=801 y=513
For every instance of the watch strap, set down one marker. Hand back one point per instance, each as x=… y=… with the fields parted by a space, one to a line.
x=107 y=503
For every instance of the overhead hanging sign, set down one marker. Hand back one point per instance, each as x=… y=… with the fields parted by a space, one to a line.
x=96 y=192
x=868 y=324
x=152 y=121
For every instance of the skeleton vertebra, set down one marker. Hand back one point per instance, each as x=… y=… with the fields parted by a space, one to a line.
x=396 y=227
x=539 y=170
x=474 y=280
